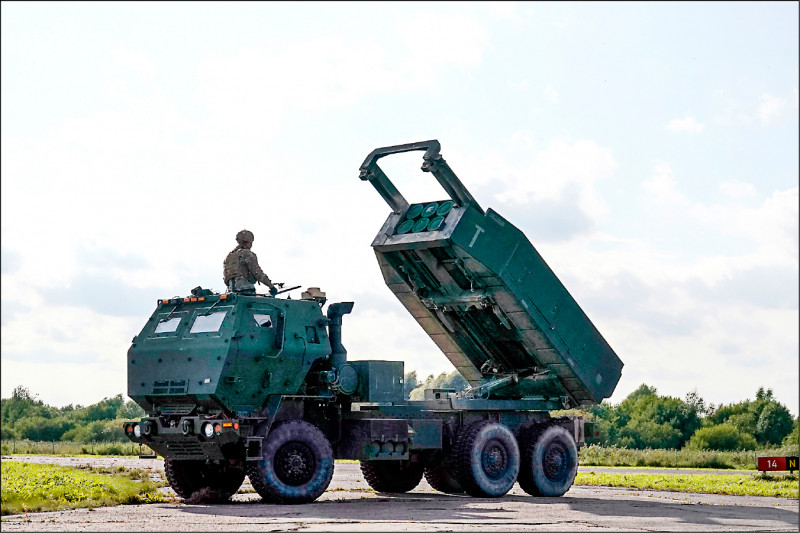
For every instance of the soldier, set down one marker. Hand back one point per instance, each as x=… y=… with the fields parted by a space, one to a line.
x=240 y=268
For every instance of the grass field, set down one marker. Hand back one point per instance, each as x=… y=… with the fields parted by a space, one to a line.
x=779 y=485
x=28 y=487
x=29 y=447
x=594 y=455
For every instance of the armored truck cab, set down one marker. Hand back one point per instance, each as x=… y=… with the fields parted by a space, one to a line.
x=225 y=353
x=260 y=385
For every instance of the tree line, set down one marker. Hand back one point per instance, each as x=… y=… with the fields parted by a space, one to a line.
x=25 y=416
x=644 y=419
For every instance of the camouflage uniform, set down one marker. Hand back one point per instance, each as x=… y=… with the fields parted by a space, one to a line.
x=241 y=269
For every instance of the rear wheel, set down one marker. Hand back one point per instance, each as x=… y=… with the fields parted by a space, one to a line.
x=549 y=462
x=297 y=466
x=218 y=482
x=392 y=476
x=488 y=459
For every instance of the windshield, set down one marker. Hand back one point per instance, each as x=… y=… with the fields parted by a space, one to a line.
x=208 y=323
x=168 y=325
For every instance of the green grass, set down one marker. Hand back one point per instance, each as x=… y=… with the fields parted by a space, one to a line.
x=594 y=455
x=783 y=486
x=66 y=448
x=27 y=487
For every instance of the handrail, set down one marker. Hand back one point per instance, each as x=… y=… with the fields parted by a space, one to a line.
x=433 y=162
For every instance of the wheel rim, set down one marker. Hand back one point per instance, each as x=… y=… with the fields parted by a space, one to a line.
x=555 y=462
x=494 y=459
x=295 y=463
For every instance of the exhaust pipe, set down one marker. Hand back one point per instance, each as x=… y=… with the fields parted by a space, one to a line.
x=335 y=313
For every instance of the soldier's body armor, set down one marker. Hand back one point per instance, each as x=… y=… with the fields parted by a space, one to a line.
x=240 y=271
x=231 y=267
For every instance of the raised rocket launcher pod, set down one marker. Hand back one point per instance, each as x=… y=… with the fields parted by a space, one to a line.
x=485 y=296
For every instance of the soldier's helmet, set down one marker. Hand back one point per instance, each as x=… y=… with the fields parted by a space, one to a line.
x=244 y=236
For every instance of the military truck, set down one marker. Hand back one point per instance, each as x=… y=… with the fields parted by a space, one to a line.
x=241 y=385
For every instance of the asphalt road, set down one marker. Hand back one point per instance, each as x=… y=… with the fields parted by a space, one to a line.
x=347 y=506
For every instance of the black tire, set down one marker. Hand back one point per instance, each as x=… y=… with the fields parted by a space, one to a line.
x=225 y=480
x=392 y=476
x=297 y=466
x=488 y=459
x=549 y=462
x=188 y=477
x=184 y=477
x=444 y=479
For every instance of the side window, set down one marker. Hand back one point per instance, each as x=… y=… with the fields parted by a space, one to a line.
x=263 y=320
x=206 y=323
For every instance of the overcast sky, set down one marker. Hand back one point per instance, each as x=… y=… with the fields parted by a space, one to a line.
x=649 y=151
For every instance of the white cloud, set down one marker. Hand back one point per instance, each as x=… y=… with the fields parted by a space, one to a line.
x=400 y=339
x=663 y=187
x=562 y=167
x=63 y=332
x=676 y=318
x=519 y=86
x=719 y=358
x=772 y=226
x=737 y=189
x=68 y=382
x=551 y=94
x=686 y=124
x=676 y=322
x=428 y=40
x=504 y=9
x=136 y=61
x=523 y=140
x=770 y=108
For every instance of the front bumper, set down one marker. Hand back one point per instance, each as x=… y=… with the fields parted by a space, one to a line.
x=187 y=438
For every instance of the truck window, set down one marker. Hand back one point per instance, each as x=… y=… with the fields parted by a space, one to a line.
x=208 y=322
x=264 y=321
x=168 y=325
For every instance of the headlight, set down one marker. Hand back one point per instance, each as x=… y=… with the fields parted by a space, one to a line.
x=208 y=430
x=148 y=428
x=137 y=431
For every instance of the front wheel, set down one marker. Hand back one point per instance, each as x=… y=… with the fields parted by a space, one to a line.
x=549 y=463
x=188 y=477
x=297 y=466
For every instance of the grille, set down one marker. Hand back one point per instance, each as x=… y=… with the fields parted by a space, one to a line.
x=185 y=448
x=170 y=387
x=178 y=409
